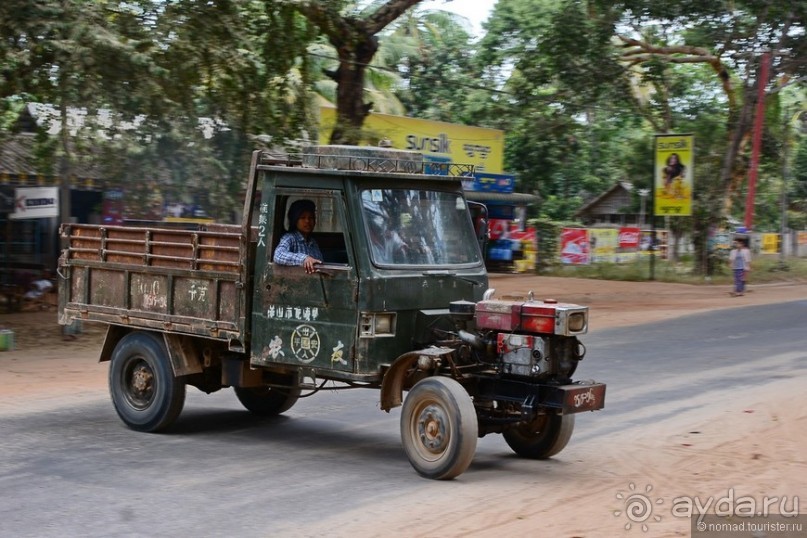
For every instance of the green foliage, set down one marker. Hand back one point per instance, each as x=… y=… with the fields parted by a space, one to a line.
x=799 y=175
x=150 y=76
x=765 y=270
x=579 y=87
x=436 y=67
x=636 y=271
x=10 y=110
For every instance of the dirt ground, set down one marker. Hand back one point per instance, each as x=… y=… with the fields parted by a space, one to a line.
x=756 y=444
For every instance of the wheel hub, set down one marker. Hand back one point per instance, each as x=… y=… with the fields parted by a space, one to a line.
x=141 y=380
x=139 y=384
x=431 y=429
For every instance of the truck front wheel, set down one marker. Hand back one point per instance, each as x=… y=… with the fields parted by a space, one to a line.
x=439 y=428
x=145 y=393
x=542 y=438
x=270 y=400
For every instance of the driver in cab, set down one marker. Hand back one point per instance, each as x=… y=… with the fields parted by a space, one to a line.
x=297 y=246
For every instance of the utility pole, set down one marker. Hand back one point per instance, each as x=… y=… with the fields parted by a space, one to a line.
x=642 y=199
x=759 y=119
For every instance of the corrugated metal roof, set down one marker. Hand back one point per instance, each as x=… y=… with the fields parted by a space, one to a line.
x=16 y=155
x=622 y=185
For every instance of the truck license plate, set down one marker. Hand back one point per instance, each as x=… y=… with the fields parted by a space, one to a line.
x=578 y=398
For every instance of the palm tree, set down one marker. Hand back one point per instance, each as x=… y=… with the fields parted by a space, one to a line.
x=419 y=48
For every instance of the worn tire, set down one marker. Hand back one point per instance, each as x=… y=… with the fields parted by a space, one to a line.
x=542 y=438
x=439 y=428
x=146 y=395
x=269 y=401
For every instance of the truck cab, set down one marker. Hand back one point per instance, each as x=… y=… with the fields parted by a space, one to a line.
x=398 y=248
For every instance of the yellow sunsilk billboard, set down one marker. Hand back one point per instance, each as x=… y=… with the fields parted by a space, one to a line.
x=673 y=175
x=437 y=140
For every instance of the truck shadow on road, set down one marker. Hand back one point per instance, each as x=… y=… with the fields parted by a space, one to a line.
x=374 y=440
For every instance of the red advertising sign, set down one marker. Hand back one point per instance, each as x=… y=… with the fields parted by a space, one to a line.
x=629 y=239
x=112 y=207
x=529 y=235
x=499 y=229
x=574 y=246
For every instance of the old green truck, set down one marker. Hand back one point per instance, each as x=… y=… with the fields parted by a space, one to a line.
x=401 y=304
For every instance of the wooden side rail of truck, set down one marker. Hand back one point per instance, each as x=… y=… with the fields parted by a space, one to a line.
x=182 y=281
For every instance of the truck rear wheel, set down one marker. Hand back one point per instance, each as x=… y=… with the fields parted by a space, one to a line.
x=145 y=393
x=269 y=401
x=542 y=438
x=439 y=428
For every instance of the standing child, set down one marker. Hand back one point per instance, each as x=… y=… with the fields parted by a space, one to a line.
x=740 y=260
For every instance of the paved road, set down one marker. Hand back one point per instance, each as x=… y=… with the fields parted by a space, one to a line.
x=77 y=471
x=693 y=357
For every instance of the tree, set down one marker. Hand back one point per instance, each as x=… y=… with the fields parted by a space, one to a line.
x=799 y=174
x=355 y=38
x=678 y=65
x=239 y=69
x=559 y=99
x=437 y=67
x=69 y=53
x=730 y=38
x=175 y=92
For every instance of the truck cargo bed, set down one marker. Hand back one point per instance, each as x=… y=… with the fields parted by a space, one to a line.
x=184 y=281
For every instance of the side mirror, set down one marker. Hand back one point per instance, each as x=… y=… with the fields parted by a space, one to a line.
x=482 y=230
x=479 y=216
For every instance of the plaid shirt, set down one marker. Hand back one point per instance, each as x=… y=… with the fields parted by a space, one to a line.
x=293 y=249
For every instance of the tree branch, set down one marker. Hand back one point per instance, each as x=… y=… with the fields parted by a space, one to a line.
x=641 y=51
x=322 y=15
x=388 y=13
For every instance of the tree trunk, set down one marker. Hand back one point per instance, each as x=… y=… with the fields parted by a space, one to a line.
x=356 y=44
x=350 y=106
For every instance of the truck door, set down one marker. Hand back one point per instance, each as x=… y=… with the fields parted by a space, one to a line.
x=298 y=318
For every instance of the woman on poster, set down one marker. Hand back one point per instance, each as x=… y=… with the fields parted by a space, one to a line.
x=673 y=173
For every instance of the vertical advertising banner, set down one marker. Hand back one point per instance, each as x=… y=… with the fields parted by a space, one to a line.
x=674 y=162
x=645 y=245
x=770 y=243
x=628 y=248
x=603 y=245
x=574 y=246
x=112 y=207
x=500 y=247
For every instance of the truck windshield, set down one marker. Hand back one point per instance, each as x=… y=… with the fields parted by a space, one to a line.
x=418 y=227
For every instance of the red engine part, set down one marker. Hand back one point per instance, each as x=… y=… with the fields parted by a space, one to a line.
x=498 y=315
x=535 y=317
